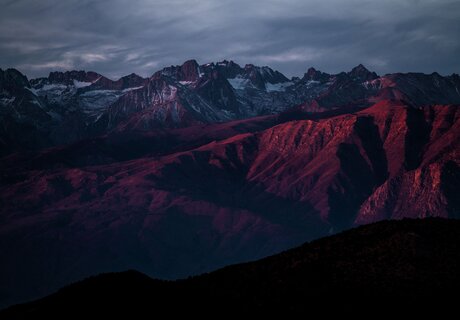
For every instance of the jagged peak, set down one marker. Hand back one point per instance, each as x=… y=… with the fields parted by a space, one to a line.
x=266 y=72
x=12 y=71
x=188 y=71
x=313 y=74
x=73 y=72
x=312 y=71
x=362 y=73
x=227 y=62
x=132 y=76
x=249 y=66
x=360 y=68
x=68 y=77
x=191 y=62
x=15 y=75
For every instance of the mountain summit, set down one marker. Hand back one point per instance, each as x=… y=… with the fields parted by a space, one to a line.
x=362 y=73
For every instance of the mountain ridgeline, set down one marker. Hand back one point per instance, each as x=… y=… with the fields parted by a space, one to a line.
x=70 y=106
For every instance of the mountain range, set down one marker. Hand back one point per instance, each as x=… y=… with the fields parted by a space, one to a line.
x=70 y=106
x=201 y=166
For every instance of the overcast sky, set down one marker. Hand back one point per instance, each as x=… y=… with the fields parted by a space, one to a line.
x=117 y=37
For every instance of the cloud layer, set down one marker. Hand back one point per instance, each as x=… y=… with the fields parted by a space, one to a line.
x=117 y=37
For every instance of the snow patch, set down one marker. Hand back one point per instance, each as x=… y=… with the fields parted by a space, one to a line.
x=51 y=87
x=185 y=83
x=7 y=101
x=98 y=117
x=311 y=83
x=37 y=103
x=97 y=93
x=372 y=84
x=34 y=91
x=98 y=99
x=277 y=87
x=133 y=88
x=200 y=74
x=80 y=84
x=239 y=83
x=97 y=79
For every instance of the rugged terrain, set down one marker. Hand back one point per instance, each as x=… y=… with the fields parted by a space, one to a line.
x=198 y=166
x=69 y=106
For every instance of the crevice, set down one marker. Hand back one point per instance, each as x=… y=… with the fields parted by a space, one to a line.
x=372 y=143
x=355 y=184
x=418 y=135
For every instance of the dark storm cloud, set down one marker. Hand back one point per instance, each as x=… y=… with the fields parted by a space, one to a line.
x=118 y=37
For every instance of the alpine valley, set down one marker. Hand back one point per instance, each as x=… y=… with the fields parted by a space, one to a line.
x=202 y=166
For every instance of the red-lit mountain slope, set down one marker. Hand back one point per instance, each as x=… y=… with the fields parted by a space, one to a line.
x=251 y=194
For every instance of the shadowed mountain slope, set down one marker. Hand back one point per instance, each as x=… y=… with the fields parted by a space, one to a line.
x=408 y=267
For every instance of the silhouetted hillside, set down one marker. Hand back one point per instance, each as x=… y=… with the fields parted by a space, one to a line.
x=391 y=267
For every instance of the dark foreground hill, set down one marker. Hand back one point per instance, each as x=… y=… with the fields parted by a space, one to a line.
x=391 y=267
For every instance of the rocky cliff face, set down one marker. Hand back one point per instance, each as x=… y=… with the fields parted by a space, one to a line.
x=422 y=180
x=24 y=121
